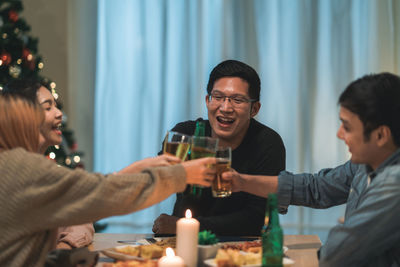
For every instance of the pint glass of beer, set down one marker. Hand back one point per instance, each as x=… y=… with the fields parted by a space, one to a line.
x=220 y=187
x=177 y=144
x=201 y=147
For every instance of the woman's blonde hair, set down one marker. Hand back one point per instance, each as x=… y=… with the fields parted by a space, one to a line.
x=20 y=122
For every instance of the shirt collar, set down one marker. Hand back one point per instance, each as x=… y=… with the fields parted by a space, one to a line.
x=391 y=160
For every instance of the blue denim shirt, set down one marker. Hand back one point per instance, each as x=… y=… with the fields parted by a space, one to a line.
x=370 y=235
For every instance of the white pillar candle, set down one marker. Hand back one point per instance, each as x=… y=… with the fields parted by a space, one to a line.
x=170 y=260
x=187 y=234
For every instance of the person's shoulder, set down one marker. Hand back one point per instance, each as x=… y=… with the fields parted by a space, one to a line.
x=26 y=163
x=18 y=153
x=260 y=129
x=186 y=127
x=391 y=174
x=263 y=139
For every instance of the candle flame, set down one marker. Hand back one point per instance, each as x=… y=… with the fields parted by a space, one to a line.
x=170 y=252
x=188 y=214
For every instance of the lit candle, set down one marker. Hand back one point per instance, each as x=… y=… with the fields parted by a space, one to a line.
x=170 y=260
x=187 y=234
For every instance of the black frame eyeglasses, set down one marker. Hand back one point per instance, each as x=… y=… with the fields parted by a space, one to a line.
x=235 y=100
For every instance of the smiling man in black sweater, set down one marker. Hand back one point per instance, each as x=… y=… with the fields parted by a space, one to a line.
x=232 y=100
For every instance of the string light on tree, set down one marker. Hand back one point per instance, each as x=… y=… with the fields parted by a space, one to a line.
x=13 y=16
x=5 y=58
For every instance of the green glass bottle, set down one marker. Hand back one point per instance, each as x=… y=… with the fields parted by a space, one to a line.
x=272 y=235
x=200 y=130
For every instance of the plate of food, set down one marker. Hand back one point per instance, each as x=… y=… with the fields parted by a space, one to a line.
x=142 y=252
x=132 y=263
x=254 y=246
x=212 y=263
x=240 y=254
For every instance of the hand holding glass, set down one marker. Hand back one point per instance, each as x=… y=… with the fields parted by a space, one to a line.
x=177 y=144
x=202 y=147
x=220 y=187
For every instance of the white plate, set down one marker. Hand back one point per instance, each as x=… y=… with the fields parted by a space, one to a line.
x=112 y=253
x=286 y=263
x=212 y=263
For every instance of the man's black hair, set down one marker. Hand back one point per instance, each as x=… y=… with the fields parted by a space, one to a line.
x=376 y=100
x=234 y=68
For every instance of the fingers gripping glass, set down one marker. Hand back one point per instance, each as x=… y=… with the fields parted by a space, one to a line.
x=201 y=147
x=221 y=188
x=235 y=100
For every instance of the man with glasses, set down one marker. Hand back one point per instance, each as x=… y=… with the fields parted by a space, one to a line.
x=232 y=100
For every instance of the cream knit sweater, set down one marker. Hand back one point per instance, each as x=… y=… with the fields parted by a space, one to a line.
x=37 y=197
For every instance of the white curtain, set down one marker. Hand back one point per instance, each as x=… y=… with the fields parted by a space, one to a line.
x=154 y=58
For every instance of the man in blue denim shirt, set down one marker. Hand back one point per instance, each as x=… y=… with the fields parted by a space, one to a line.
x=369 y=183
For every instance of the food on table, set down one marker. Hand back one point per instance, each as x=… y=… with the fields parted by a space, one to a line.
x=167 y=242
x=145 y=251
x=153 y=251
x=133 y=263
x=248 y=246
x=129 y=250
x=234 y=257
x=239 y=254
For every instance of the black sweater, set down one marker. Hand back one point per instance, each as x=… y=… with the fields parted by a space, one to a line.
x=261 y=152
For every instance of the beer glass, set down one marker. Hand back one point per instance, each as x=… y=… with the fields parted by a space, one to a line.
x=220 y=187
x=177 y=144
x=201 y=147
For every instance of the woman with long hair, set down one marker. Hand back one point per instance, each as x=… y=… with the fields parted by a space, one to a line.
x=36 y=93
x=37 y=196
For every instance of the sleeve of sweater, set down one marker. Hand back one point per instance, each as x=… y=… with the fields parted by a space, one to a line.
x=61 y=197
x=77 y=235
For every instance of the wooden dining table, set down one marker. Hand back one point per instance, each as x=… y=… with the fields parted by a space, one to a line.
x=301 y=248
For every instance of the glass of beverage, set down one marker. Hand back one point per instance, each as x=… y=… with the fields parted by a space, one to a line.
x=220 y=187
x=202 y=147
x=177 y=144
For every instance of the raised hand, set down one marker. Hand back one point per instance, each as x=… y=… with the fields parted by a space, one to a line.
x=235 y=178
x=200 y=171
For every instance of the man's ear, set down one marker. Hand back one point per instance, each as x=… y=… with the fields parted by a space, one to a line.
x=255 y=107
x=383 y=135
x=207 y=99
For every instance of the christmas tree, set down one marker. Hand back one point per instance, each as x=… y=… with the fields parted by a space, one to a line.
x=18 y=50
x=19 y=59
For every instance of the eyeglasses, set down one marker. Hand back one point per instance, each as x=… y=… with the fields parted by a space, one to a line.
x=235 y=100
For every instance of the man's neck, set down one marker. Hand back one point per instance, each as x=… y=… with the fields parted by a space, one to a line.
x=384 y=155
x=233 y=142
